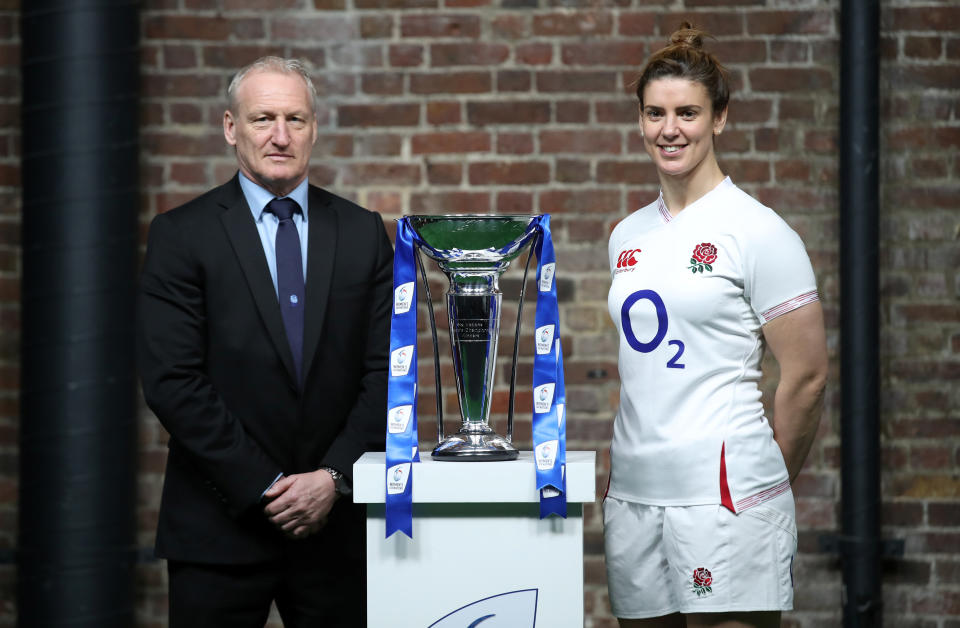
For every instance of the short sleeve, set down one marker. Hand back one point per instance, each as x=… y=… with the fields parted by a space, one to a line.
x=778 y=275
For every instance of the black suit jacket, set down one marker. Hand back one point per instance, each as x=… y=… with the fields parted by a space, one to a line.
x=217 y=369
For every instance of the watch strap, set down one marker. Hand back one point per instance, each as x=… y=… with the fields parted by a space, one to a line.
x=340 y=482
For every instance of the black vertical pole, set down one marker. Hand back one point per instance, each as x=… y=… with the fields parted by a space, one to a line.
x=859 y=196
x=76 y=549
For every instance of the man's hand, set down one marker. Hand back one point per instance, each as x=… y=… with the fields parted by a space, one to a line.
x=299 y=504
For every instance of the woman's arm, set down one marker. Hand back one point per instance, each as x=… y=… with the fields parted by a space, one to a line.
x=798 y=342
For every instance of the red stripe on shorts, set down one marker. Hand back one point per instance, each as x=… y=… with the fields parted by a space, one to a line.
x=725 y=499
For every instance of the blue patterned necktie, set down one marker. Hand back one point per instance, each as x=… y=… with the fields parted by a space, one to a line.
x=289 y=275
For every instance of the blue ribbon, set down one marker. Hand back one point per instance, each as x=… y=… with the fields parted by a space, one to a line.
x=549 y=416
x=402 y=442
x=549 y=395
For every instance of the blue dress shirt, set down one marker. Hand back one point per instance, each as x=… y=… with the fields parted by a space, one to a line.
x=257 y=199
x=267 y=223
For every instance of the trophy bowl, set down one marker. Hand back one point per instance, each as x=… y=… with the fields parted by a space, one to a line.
x=473 y=250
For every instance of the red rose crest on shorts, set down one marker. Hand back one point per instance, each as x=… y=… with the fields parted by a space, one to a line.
x=703 y=256
x=702 y=581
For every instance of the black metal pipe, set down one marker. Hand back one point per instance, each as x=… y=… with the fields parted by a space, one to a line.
x=78 y=465
x=860 y=543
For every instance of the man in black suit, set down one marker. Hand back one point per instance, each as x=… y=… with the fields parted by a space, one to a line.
x=266 y=416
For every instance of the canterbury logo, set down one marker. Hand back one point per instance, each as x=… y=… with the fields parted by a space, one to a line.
x=627 y=258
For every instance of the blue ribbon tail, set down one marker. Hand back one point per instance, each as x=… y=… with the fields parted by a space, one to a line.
x=399 y=517
x=555 y=505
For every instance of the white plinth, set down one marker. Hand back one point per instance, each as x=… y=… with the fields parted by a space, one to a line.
x=479 y=548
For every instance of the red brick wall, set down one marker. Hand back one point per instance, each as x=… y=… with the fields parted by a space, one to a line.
x=522 y=105
x=920 y=337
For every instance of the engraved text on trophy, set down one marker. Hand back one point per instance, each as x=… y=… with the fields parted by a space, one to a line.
x=474 y=329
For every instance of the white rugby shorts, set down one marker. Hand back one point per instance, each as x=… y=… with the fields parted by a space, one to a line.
x=699 y=559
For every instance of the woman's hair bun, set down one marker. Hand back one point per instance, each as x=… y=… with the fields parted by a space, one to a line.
x=684 y=57
x=687 y=35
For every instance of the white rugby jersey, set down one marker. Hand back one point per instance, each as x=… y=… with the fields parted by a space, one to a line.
x=689 y=295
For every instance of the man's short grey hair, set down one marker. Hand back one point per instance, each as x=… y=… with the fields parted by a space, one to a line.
x=278 y=65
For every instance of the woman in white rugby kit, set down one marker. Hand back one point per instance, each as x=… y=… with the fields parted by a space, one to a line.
x=699 y=520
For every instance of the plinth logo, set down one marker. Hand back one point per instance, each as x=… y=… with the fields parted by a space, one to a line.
x=516 y=609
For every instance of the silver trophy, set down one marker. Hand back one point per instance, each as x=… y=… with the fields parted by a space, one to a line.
x=473 y=250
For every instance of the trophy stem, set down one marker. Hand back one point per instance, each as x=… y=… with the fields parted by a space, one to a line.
x=474 y=329
x=473 y=309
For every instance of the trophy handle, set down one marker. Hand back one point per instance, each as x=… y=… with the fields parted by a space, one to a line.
x=516 y=344
x=436 y=350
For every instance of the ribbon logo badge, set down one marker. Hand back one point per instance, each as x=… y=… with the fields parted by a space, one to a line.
x=543 y=398
x=399 y=476
x=400 y=361
x=403 y=298
x=544 y=337
x=398 y=418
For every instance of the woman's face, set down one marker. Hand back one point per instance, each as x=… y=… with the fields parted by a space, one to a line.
x=678 y=125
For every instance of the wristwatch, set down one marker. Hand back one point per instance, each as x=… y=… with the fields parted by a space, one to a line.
x=340 y=484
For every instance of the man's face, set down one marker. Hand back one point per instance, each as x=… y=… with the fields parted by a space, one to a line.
x=273 y=129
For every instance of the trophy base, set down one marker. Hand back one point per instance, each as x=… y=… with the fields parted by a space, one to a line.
x=466 y=447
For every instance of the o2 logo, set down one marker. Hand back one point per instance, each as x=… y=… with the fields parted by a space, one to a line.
x=662 y=322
